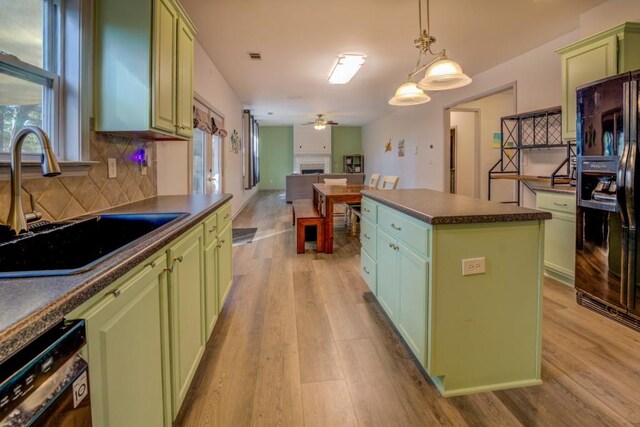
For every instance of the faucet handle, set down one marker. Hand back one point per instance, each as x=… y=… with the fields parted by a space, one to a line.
x=34 y=215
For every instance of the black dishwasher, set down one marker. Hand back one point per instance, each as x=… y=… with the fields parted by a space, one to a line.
x=47 y=382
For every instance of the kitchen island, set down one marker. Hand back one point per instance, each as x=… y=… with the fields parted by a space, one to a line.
x=461 y=281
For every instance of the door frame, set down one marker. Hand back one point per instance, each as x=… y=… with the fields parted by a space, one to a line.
x=477 y=140
x=223 y=142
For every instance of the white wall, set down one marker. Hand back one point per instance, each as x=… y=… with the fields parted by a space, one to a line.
x=173 y=167
x=465 y=123
x=213 y=88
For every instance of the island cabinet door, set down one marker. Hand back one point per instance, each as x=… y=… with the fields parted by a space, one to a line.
x=412 y=318
x=186 y=301
x=127 y=335
x=388 y=288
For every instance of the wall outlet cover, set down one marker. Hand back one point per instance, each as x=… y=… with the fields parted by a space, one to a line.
x=471 y=266
x=111 y=162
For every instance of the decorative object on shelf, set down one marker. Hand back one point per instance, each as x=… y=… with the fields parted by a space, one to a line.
x=401 y=148
x=321 y=123
x=387 y=147
x=442 y=73
x=235 y=141
x=497 y=139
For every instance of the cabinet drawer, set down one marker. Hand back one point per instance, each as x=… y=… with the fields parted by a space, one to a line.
x=368 y=270
x=210 y=229
x=368 y=237
x=369 y=210
x=406 y=229
x=556 y=202
x=224 y=216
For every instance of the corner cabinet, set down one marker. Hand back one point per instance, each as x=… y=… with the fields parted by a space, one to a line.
x=559 y=235
x=461 y=329
x=146 y=332
x=144 y=69
x=602 y=55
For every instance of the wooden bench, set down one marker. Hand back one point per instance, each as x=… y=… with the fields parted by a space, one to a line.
x=304 y=215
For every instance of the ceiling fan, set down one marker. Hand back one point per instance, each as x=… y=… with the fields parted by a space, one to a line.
x=321 y=123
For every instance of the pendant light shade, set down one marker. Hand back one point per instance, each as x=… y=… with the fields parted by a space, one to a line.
x=444 y=74
x=409 y=94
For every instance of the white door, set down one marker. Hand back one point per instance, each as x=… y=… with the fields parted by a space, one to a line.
x=214 y=175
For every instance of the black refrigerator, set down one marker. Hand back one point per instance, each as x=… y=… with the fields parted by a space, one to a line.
x=607 y=260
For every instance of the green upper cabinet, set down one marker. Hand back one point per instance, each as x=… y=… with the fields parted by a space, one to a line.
x=602 y=55
x=144 y=69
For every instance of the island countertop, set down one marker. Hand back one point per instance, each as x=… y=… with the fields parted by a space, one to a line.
x=29 y=306
x=435 y=207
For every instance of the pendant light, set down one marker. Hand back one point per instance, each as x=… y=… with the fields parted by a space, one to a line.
x=441 y=72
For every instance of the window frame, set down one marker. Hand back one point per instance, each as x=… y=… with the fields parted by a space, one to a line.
x=67 y=54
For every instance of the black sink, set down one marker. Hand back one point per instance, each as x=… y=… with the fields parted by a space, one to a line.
x=76 y=246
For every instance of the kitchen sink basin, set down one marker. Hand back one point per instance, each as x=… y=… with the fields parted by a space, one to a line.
x=76 y=246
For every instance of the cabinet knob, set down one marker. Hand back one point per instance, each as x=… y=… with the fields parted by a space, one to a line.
x=366 y=210
x=395 y=227
x=562 y=205
x=150 y=264
x=226 y=216
x=115 y=293
x=212 y=229
x=365 y=270
x=366 y=236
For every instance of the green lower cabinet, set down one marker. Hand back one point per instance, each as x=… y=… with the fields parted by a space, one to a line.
x=186 y=293
x=211 y=286
x=388 y=287
x=128 y=351
x=412 y=278
x=225 y=270
x=559 y=235
x=368 y=271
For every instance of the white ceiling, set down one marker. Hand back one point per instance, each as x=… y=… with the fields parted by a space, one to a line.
x=300 y=40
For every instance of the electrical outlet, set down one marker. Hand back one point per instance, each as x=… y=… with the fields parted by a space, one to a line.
x=111 y=162
x=472 y=266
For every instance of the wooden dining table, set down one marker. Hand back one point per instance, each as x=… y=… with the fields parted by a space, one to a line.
x=325 y=196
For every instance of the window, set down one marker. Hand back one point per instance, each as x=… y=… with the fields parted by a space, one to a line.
x=29 y=79
x=42 y=60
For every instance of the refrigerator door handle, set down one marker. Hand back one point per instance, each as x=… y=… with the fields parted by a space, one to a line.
x=631 y=116
x=622 y=195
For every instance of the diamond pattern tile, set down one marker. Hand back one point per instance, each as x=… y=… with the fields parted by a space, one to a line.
x=70 y=196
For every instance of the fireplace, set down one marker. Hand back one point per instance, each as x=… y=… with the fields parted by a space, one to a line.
x=310 y=168
x=312 y=163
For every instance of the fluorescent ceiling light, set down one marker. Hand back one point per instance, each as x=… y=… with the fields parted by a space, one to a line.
x=346 y=67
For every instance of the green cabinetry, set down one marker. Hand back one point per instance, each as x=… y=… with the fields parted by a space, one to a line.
x=186 y=293
x=127 y=332
x=559 y=235
x=602 y=55
x=471 y=333
x=146 y=332
x=144 y=69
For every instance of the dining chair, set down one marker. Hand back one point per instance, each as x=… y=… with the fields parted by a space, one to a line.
x=374 y=180
x=392 y=182
x=341 y=212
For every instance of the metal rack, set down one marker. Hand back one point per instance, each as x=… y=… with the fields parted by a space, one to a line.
x=540 y=129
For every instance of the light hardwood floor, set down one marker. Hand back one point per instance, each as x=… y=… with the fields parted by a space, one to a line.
x=300 y=342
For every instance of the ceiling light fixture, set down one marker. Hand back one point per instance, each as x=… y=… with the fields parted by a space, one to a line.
x=345 y=68
x=442 y=73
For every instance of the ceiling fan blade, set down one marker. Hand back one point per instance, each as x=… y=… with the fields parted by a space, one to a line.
x=331 y=122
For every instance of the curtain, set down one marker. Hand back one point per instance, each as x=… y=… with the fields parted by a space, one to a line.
x=204 y=120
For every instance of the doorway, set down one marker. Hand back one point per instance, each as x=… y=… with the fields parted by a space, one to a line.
x=474 y=127
x=452 y=160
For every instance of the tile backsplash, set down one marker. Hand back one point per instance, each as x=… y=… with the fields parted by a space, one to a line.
x=70 y=196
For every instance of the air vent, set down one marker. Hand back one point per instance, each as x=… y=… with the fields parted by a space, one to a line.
x=255 y=55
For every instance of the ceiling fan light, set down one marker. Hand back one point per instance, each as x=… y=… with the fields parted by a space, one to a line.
x=444 y=74
x=319 y=126
x=409 y=94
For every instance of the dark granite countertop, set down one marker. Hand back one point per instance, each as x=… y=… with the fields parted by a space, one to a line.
x=29 y=306
x=562 y=188
x=435 y=207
